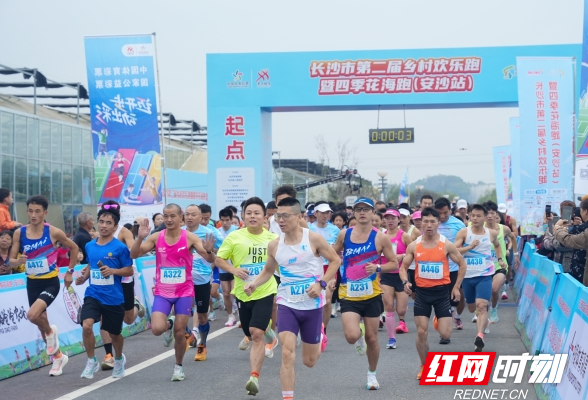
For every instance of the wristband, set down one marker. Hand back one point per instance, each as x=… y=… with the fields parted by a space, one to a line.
x=516 y=254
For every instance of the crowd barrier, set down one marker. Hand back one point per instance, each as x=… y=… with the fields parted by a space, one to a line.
x=21 y=346
x=552 y=318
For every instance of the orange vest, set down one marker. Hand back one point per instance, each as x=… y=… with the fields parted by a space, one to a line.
x=432 y=267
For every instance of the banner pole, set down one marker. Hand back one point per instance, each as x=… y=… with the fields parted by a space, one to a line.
x=407 y=186
x=160 y=125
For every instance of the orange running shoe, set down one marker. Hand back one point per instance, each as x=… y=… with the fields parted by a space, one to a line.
x=436 y=324
x=200 y=353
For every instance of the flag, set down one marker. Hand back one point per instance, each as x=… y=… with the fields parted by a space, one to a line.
x=402 y=197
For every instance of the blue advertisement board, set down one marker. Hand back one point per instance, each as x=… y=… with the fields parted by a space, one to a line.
x=547 y=115
x=123 y=101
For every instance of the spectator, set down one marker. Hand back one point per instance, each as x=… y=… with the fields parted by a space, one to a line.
x=83 y=235
x=562 y=254
x=6 y=223
x=5 y=245
x=576 y=238
x=157 y=221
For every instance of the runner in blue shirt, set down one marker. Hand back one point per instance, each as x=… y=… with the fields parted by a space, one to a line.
x=449 y=227
x=109 y=260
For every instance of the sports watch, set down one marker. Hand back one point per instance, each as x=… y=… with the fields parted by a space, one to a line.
x=404 y=282
x=323 y=284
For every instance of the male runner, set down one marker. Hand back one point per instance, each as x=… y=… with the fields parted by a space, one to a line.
x=246 y=249
x=300 y=255
x=109 y=260
x=327 y=230
x=462 y=209
x=132 y=305
x=430 y=253
x=35 y=243
x=475 y=244
x=391 y=284
x=206 y=212
x=426 y=201
x=173 y=287
x=511 y=222
x=448 y=227
x=500 y=272
x=360 y=293
x=201 y=275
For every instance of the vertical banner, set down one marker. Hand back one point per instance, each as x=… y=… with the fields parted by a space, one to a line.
x=581 y=143
x=502 y=173
x=123 y=101
x=515 y=167
x=402 y=196
x=547 y=107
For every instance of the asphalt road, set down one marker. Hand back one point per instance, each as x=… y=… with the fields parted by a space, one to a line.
x=339 y=374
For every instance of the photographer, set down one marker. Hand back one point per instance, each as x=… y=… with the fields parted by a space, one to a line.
x=576 y=237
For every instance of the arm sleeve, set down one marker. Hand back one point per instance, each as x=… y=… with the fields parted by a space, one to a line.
x=572 y=241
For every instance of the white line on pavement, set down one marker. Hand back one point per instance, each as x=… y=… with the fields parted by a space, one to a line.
x=96 y=385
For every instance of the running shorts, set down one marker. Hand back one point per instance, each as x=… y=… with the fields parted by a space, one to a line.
x=479 y=287
x=112 y=316
x=182 y=305
x=43 y=289
x=255 y=313
x=202 y=297
x=426 y=299
x=370 y=308
x=129 y=295
x=307 y=322
x=392 y=280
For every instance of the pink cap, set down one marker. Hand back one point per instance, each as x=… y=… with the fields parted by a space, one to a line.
x=416 y=215
x=392 y=212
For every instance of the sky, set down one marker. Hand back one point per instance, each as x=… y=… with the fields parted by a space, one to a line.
x=49 y=36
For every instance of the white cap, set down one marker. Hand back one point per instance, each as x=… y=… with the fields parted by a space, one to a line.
x=404 y=211
x=322 y=208
x=502 y=208
x=462 y=204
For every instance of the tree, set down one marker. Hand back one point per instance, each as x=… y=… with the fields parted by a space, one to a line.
x=489 y=194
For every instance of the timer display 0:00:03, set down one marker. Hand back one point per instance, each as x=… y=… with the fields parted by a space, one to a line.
x=388 y=136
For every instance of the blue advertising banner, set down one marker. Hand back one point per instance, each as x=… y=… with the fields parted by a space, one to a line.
x=541 y=303
x=515 y=160
x=557 y=328
x=502 y=173
x=525 y=302
x=523 y=270
x=123 y=100
x=547 y=110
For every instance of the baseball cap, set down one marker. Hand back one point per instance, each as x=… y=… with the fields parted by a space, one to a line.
x=138 y=220
x=310 y=213
x=392 y=212
x=364 y=200
x=502 y=208
x=404 y=211
x=462 y=204
x=417 y=215
x=322 y=208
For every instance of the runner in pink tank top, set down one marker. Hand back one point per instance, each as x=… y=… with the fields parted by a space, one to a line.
x=392 y=286
x=173 y=277
x=173 y=268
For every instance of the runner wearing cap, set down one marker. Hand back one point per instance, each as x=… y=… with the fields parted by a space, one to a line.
x=462 y=210
x=431 y=253
x=406 y=226
x=475 y=244
x=310 y=217
x=360 y=290
x=391 y=283
x=327 y=230
x=416 y=219
x=449 y=226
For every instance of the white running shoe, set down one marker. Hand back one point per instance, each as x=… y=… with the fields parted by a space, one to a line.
x=178 y=373
x=196 y=333
x=119 y=367
x=232 y=321
x=91 y=367
x=52 y=341
x=244 y=343
x=372 y=382
x=212 y=316
x=168 y=336
x=58 y=364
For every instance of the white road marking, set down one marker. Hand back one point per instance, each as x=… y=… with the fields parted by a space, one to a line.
x=96 y=385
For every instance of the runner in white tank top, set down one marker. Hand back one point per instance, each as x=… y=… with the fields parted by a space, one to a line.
x=475 y=244
x=301 y=294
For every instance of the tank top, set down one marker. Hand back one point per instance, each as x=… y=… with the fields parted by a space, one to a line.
x=432 y=267
x=41 y=254
x=479 y=259
x=173 y=267
x=355 y=257
x=299 y=269
x=397 y=245
x=502 y=242
x=410 y=230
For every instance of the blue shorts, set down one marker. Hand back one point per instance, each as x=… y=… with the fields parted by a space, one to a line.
x=479 y=287
x=215 y=276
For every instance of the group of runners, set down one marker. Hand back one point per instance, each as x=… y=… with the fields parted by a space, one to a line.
x=281 y=281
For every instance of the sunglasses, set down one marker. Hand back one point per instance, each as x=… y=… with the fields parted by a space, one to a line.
x=109 y=206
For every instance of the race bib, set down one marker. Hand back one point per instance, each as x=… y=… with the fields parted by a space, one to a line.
x=296 y=292
x=430 y=270
x=98 y=279
x=173 y=275
x=254 y=271
x=37 y=266
x=360 y=288
x=475 y=263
